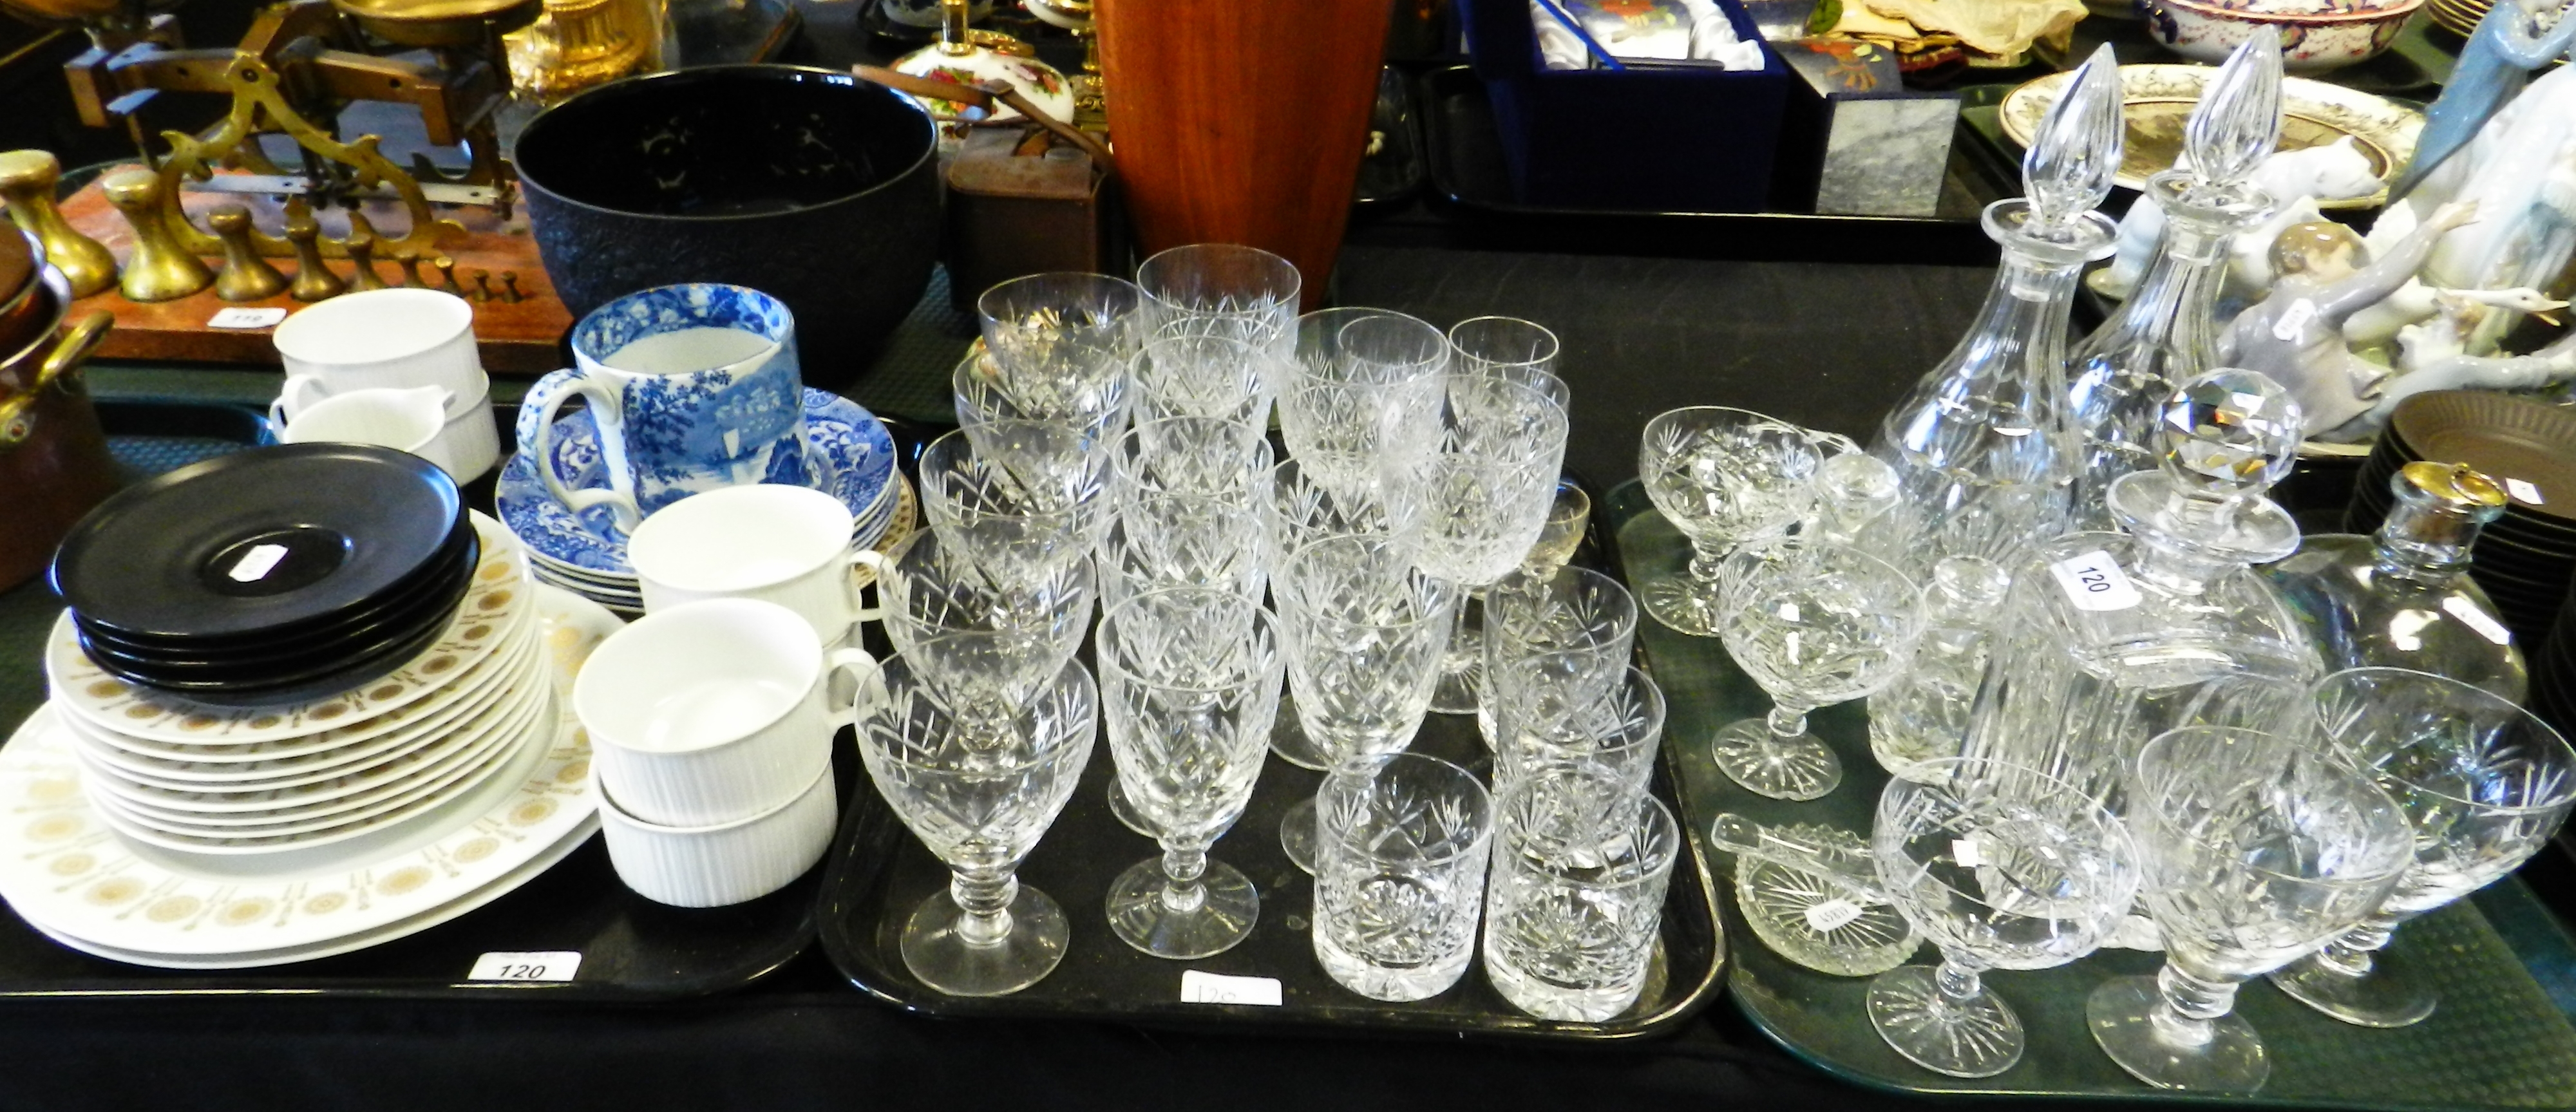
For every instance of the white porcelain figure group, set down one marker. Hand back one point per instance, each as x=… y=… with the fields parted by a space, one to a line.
x=2479 y=224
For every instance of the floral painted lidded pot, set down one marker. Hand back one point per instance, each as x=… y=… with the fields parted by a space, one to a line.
x=961 y=57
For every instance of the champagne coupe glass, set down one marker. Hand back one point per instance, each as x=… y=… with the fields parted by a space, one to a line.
x=1364 y=629
x=2258 y=847
x=980 y=801
x=1721 y=476
x=2002 y=868
x=1310 y=498
x=1813 y=624
x=1485 y=495
x=1363 y=387
x=1188 y=681
x=1018 y=497
x=1554 y=609
x=2485 y=784
x=1060 y=342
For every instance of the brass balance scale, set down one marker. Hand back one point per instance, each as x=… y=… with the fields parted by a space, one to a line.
x=218 y=193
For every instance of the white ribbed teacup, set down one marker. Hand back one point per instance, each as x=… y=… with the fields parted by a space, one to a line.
x=711 y=711
x=784 y=544
x=728 y=863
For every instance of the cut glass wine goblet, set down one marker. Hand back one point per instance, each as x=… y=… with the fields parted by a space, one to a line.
x=2485 y=785
x=2257 y=847
x=980 y=800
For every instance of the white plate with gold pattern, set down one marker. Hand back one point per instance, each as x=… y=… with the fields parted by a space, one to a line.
x=509 y=882
x=63 y=869
x=438 y=766
x=460 y=780
x=480 y=684
x=457 y=779
x=2156 y=101
x=115 y=755
x=496 y=596
x=404 y=763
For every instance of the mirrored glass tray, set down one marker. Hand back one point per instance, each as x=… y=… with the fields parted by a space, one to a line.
x=2500 y=1038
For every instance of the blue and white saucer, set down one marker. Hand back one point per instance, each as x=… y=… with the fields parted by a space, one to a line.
x=854 y=450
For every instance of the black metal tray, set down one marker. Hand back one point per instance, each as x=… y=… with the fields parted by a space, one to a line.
x=632 y=948
x=880 y=872
x=2499 y=1039
x=1469 y=182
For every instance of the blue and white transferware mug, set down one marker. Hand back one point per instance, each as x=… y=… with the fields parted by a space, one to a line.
x=693 y=388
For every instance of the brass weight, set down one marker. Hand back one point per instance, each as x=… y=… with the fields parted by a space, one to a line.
x=313 y=279
x=246 y=276
x=27 y=181
x=159 y=269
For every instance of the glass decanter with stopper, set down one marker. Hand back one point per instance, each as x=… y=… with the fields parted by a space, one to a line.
x=1923 y=716
x=2163 y=335
x=1982 y=448
x=2403 y=598
x=2110 y=639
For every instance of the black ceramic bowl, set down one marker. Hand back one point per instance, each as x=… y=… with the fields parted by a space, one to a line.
x=806 y=184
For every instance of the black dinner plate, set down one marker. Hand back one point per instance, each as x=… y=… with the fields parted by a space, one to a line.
x=436 y=593
x=270 y=539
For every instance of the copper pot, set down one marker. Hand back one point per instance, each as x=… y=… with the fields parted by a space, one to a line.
x=54 y=464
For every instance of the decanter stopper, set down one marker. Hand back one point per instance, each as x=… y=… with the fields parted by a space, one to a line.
x=246 y=276
x=313 y=278
x=2077 y=149
x=27 y=180
x=2436 y=515
x=1854 y=491
x=362 y=252
x=2238 y=120
x=2230 y=434
x=2227 y=436
x=159 y=269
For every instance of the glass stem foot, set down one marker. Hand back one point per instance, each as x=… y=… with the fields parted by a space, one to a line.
x=2142 y=1031
x=2359 y=988
x=990 y=951
x=1797 y=766
x=1942 y=1019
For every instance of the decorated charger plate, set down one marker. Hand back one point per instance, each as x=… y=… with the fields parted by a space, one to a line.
x=72 y=877
x=135 y=762
x=857 y=452
x=2157 y=101
x=498 y=597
